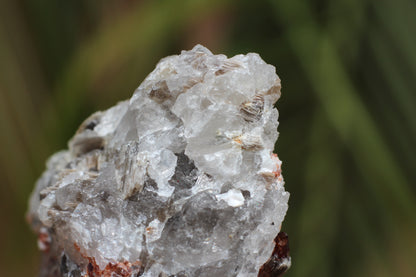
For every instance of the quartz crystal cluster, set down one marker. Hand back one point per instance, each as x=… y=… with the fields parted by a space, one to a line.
x=180 y=180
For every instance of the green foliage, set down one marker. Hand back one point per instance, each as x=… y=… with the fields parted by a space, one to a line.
x=348 y=109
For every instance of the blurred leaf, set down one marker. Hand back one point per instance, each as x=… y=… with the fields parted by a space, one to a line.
x=320 y=215
x=347 y=113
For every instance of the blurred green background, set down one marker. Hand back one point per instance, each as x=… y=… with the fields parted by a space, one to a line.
x=347 y=112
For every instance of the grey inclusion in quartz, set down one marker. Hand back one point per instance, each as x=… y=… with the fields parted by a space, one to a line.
x=180 y=180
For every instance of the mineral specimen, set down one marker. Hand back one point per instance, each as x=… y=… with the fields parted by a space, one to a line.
x=180 y=180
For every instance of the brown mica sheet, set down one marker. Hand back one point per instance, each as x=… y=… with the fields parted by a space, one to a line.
x=278 y=263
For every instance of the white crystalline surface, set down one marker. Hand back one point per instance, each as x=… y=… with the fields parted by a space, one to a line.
x=180 y=180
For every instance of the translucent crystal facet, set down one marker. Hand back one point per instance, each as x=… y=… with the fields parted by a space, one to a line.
x=180 y=180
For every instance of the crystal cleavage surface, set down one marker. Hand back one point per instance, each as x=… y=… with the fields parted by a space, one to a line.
x=180 y=180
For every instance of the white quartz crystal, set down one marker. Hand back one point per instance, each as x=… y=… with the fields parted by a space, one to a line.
x=180 y=180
